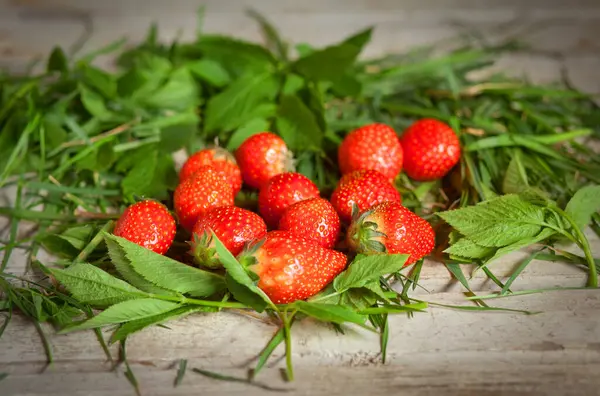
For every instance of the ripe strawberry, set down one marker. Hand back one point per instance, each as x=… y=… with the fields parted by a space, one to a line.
x=374 y=146
x=204 y=190
x=232 y=225
x=364 y=188
x=431 y=149
x=282 y=191
x=314 y=219
x=217 y=157
x=292 y=269
x=261 y=157
x=390 y=227
x=149 y=224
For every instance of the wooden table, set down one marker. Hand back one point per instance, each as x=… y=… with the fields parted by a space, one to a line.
x=441 y=352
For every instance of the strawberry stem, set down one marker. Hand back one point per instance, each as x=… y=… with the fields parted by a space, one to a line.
x=287 y=332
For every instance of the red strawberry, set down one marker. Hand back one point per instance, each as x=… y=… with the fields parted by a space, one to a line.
x=232 y=225
x=217 y=157
x=314 y=219
x=374 y=146
x=204 y=190
x=282 y=191
x=261 y=157
x=390 y=227
x=364 y=188
x=149 y=224
x=431 y=149
x=292 y=269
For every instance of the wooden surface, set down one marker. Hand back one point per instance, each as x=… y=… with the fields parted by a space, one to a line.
x=441 y=352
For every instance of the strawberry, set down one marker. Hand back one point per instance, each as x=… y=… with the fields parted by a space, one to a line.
x=314 y=219
x=261 y=157
x=292 y=269
x=232 y=225
x=431 y=149
x=374 y=146
x=390 y=227
x=220 y=159
x=149 y=224
x=364 y=188
x=282 y=191
x=204 y=190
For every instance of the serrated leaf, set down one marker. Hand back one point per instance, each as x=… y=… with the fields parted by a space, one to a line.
x=91 y=285
x=123 y=265
x=297 y=125
x=238 y=280
x=136 y=325
x=497 y=222
x=330 y=63
x=583 y=205
x=210 y=71
x=139 y=178
x=544 y=234
x=236 y=104
x=329 y=313
x=168 y=273
x=126 y=311
x=515 y=179
x=180 y=92
x=368 y=268
x=252 y=127
x=466 y=248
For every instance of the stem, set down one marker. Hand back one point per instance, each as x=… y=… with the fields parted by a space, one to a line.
x=99 y=237
x=337 y=293
x=288 y=344
x=584 y=244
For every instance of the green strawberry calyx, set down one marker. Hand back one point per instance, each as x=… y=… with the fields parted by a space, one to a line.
x=204 y=251
x=363 y=235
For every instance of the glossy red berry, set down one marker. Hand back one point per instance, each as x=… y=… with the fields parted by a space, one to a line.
x=314 y=219
x=217 y=157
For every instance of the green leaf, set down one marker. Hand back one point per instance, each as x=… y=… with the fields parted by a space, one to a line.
x=136 y=325
x=331 y=63
x=91 y=285
x=515 y=179
x=466 y=248
x=583 y=205
x=168 y=273
x=237 y=56
x=57 y=61
x=139 y=178
x=368 y=268
x=94 y=103
x=456 y=270
x=268 y=350
x=100 y=80
x=180 y=92
x=123 y=265
x=55 y=133
x=518 y=245
x=292 y=84
x=125 y=311
x=497 y=222
x=252 y=127
x=239 y=282
x=297 y=125
x=235 y=105
x=210 y=71
x=329 y=313
x=274 y=41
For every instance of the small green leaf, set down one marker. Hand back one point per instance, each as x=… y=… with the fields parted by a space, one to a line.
x=125 y=311
x=252 y=127
x=168 y=273
x=180 y=92
x=57 y=61
x=210 y=71
x=466 y=248
x=100 y=80
x=91 y=285
x=139 y=324
x=331 y=63
x=368 y=268
x=94 y=103
x=139 y=178
x=515 y=179
x=583 y=205
x=239 y=282
x=497 y=222
x=329 y=313
x=297 y=125
x=236 y=104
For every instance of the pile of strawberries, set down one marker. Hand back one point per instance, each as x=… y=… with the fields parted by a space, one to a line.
x=295 y=243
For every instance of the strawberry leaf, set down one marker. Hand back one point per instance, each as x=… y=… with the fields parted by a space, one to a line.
x=329 y=313
x=167 y=273
x=583 y=205
x=368 y=268
x=239 y=282
x=91 y=285
x=125 y=311
x=297 y=125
